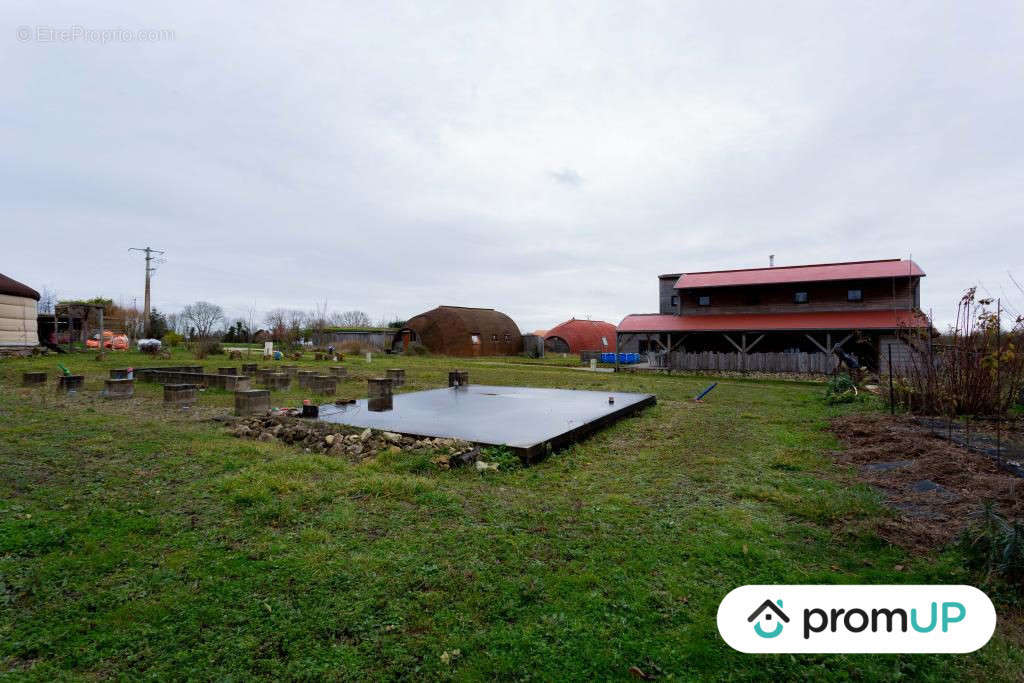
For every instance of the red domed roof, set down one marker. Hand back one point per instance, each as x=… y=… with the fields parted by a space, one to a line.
x=585 y=335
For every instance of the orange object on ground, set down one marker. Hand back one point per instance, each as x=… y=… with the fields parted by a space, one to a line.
x=117 y=342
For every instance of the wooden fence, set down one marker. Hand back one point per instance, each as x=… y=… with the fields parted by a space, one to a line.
x=375 y=339
x=807 y=363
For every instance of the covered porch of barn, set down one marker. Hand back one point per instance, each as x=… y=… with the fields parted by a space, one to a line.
x=801 y=342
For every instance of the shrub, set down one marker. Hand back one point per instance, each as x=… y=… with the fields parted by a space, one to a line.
x=503 y=455
x=995 y=545
x=975 y=369
x=201 y=348
x=840 y=389
x=417 y=349
x=172 y=339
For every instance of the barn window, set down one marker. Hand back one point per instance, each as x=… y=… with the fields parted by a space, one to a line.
x=508 y=337
x=494 y=337
x=800 y=297
x=704 y=301
x=604 y=341
x=675 y=302
x=475 y=338
x=854 y=295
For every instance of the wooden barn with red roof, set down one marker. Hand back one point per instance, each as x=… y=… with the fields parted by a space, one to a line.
x=853 y=306
x=574 y=336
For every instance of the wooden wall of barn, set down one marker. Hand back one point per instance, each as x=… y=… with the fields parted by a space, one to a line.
x=804 y=363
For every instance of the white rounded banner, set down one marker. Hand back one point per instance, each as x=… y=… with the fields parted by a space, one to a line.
x=827 y=618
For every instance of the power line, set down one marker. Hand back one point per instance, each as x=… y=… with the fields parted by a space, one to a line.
x=1004 y=304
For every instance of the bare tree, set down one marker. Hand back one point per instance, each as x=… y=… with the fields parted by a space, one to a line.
x=47 y=300
x=276 y=321
x=319 y=319
x=296 y=322
x=251 y=320
x=176 y=323
x=131 y=318
x=352 y=319
x=285 y=324
x=202 y=316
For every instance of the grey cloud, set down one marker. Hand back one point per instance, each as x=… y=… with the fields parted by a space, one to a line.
x=386 y=157
x=566 y=176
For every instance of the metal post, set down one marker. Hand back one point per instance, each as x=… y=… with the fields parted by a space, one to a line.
x=99 y=315
x=999 y=385
x=892 y=390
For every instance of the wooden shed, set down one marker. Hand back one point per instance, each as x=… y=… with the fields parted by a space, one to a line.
x=461 y=331
x=19 y=331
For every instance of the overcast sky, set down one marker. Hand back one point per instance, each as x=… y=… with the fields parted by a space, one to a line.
x=547 y=159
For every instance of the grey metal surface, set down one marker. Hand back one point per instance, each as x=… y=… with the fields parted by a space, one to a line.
x=524 y=418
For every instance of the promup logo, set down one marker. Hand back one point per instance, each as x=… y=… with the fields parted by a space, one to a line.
x=765 y=612
x=857 y=619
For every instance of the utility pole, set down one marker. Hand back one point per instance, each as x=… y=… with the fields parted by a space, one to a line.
x=149 y=251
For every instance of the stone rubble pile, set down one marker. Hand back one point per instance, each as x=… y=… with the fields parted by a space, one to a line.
x=313 y=436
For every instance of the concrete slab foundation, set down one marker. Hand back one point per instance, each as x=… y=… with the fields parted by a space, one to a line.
x=458 y=378
x=33 y=379
x=381 y=394
x=252 y=402
x=67 y=383
x=530 y=421
x=278 y=381
x=179 y=394
x=323 y=384
x=179 y=376
x=119 y=388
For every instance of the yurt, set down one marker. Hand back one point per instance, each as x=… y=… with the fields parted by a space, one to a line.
x=19 y=332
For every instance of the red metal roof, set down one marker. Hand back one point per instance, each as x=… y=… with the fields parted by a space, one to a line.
x=764 y=322
x=853 y=270
x=585 y=335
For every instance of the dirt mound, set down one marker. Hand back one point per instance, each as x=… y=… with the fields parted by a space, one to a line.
x=932 y=485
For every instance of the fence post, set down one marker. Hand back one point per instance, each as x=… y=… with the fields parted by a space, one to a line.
x=892 y=391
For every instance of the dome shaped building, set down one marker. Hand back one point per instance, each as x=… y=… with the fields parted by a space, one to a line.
x=574 y=336
x=461 y=331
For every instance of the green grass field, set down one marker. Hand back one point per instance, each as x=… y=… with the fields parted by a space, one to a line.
x=137 y=541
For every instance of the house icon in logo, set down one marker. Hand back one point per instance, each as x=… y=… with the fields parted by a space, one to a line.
x=767 y=613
